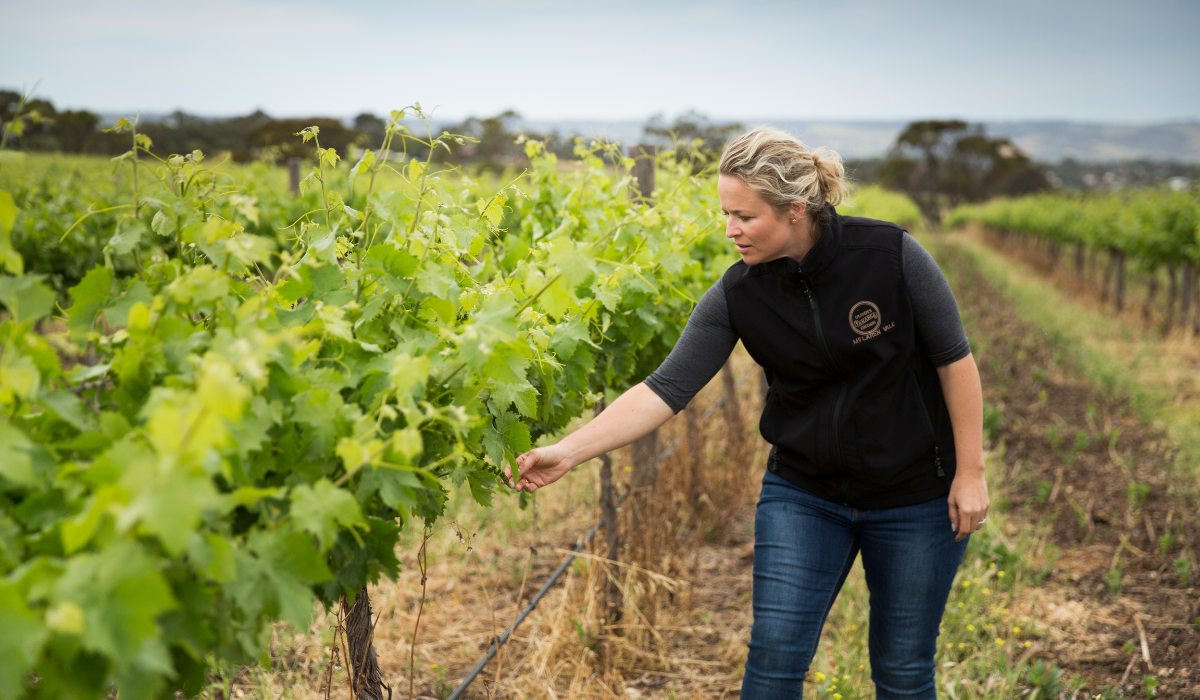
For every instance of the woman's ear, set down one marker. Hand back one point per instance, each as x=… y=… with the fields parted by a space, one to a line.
x=796 y=213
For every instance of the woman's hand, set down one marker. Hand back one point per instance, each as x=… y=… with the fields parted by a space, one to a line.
x=968 y=498
x=539 y=467
x=633 y=415
x=968 y=501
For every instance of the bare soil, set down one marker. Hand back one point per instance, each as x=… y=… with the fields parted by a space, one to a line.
x=1088 y=466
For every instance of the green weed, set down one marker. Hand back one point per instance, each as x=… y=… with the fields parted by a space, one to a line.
x=1138 y=493
x=1044 y=680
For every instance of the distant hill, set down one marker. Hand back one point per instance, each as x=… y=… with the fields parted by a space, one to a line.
x=1054 y=141
x=1045 y=141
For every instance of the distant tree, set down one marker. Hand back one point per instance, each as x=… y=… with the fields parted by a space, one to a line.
x=495 y=144
x=26 y=122
x=74 y=130
x=280 y=135
x=698 y=139
x=183 y=133
x=946 y=163
x=371 y=129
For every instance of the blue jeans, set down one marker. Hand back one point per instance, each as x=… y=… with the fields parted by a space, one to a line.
x=803 y=548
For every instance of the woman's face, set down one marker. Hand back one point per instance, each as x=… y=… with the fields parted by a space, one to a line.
x=760 y=233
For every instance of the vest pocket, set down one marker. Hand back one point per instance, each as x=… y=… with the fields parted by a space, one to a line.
x=894 y=433
x=796 y=430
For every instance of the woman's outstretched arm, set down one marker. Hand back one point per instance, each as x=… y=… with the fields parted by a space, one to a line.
x=705 y=345
x=968 y=498
x=633 y=415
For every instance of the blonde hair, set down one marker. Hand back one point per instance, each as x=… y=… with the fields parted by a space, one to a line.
x=784 y=172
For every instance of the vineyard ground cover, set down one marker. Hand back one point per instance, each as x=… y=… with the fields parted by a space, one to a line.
x=697 y=647
x=1122 y=353
x=1112 y=490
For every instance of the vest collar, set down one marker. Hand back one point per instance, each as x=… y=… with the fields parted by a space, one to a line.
x=819 y=256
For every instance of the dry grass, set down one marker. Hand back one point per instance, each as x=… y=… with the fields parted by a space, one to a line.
x=684 y=615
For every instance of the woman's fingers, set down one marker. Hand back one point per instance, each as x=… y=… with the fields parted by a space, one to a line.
x=524 y=462
x=965 y=520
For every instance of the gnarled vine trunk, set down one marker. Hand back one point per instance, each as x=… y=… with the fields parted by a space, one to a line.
x=368 y=684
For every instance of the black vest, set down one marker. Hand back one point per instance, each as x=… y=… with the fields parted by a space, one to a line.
x=855 y=409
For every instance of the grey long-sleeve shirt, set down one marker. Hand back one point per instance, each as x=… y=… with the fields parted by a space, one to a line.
x=709 y=338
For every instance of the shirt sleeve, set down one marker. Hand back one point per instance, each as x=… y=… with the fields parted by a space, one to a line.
x=704 y=346
x=935 y=313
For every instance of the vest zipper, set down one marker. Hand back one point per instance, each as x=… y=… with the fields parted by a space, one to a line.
x=837 y=406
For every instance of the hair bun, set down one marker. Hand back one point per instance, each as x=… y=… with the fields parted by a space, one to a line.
x=784 y=172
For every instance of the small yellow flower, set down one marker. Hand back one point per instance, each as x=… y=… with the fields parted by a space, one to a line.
x=999 y=641
x=845 y=679
x=837 y=696
x=860 y=667
x=853 y=628
x=962 y=646
x=432 y=665
x=1000 y=574
x=970 y=628
x=820 y=676
x=960 y=606
x=1028 y=644
x=992 y=565
x=1016 y=630
x=986 y=591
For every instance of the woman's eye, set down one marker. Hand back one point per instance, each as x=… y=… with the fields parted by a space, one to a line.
x=744 y=218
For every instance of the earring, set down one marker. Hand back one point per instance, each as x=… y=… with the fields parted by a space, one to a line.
x=793 y=221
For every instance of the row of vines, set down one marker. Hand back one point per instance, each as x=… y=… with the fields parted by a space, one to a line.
x=1155 y=234
x=230 y=412
x=221 y=401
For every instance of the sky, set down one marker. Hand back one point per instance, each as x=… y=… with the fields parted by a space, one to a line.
x=1097 y=61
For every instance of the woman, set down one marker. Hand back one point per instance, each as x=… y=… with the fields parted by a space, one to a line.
x=874 y=413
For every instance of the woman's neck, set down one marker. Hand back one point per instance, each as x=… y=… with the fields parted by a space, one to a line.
x=803 y=237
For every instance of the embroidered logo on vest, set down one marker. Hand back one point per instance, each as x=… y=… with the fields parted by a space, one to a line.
x=866 y=321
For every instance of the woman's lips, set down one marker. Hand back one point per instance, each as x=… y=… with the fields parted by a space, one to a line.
x=742 y=248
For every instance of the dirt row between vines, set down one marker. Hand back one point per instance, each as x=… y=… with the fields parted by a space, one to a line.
x=1086 y=465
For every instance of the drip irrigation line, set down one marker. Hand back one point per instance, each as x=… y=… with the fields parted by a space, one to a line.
x=494 y=647
x=496 y=643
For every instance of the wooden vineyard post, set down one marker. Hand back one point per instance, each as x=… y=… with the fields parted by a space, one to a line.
x=1119 y=292
x=1172 y=293
x=695 y=449
x=1151 y=293
x=293 y=166
x=612 y=532
x=642 y=478
x=643 y=171
x=733 y=413
x=1195 y=292
x=1185 y=298
x=1108 y=270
